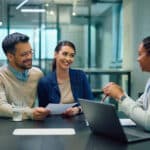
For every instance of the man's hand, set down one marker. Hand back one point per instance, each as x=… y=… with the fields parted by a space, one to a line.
x=40 y=113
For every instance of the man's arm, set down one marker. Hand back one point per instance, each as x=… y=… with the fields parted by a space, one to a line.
x=5 y=107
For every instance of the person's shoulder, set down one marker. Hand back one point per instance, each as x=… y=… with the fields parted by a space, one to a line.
x=48 y=77
x=77 y=71
x=3 y=69
x=36 y=71
x=4 y=73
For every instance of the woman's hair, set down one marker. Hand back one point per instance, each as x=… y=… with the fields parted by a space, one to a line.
x=58 y=48
x=146 y=44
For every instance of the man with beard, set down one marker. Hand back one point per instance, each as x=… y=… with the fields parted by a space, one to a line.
x=18 y=79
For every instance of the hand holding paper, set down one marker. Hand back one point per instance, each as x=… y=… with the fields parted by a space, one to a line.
x=57 y=109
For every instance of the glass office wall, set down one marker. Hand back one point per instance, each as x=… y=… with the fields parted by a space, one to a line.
x=106 y=38
x=43 y=36
x=94 y=27
x=3 y=33
x=74 y=28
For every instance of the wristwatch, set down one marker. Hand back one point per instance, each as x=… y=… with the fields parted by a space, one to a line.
x=122 y=98
x=80 y=109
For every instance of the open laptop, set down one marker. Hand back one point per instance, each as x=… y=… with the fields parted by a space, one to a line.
x=103 y=119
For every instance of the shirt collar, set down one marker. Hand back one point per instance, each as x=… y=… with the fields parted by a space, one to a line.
x=23 y=76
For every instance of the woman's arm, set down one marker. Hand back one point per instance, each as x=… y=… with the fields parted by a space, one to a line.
x=87 y=92
x=135 y=111
x=42 y=92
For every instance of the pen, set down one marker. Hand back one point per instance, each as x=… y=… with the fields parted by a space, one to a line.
x=103 y=99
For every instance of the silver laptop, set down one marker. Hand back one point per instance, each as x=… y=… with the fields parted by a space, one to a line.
x=103 y=119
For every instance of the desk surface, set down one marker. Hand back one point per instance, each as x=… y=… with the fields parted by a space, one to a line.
x=82 y=140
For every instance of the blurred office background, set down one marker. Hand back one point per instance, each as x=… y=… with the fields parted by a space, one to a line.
x=106 y=34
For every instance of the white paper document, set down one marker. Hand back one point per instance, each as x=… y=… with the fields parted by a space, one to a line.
x=45 y=131
x=127 y=122
x=57 y=109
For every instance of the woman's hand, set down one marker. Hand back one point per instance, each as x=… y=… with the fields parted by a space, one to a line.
x=72 y=111
x=113 y=90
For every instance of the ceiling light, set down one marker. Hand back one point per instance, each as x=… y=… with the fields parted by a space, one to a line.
x=73 y=13
x=21 y=4
x=50 y=7
x=74 y=8
x=33 y=10
x=51 y=12
x=46 y=4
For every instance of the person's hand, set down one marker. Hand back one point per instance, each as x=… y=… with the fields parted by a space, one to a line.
x=71 y=111
x=40 y=113
x=113 y=90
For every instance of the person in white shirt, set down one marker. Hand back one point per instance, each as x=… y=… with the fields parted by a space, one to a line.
x=138 y=110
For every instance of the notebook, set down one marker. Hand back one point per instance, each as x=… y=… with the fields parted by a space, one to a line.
x=103 y=119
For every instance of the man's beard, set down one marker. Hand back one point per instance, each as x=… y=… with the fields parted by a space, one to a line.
x=23 y=66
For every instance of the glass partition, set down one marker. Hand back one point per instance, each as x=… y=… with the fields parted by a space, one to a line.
x=95 y=27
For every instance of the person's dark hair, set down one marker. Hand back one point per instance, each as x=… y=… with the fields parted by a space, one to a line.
x=58 y=48
x=146 y=44
x=9 y=42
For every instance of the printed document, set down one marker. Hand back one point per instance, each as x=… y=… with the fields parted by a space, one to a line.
x=127 y=122
x=57 y=109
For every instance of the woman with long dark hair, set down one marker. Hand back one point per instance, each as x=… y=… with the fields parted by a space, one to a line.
x=63 y=84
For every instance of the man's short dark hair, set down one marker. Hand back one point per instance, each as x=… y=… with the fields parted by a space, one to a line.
x=10 y=41
x=146 y=44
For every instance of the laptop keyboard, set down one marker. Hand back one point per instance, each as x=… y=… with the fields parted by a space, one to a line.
x=131 y=136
